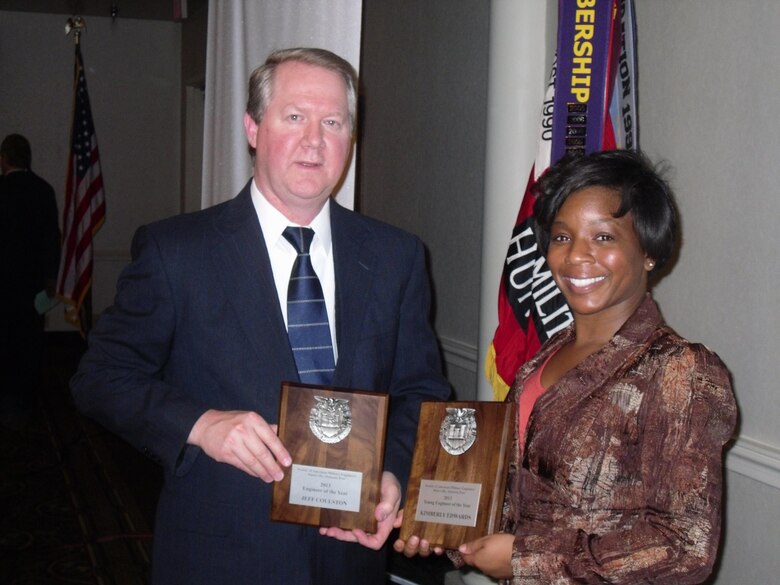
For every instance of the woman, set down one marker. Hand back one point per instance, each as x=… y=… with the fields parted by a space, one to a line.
x=616 y=474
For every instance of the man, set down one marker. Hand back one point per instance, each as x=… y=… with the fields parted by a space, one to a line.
x=188 y=362
x=29 y=258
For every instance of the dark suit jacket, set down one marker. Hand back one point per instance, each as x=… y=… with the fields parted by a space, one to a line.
x=29 y=256
x=29 y=240
x=196 y=324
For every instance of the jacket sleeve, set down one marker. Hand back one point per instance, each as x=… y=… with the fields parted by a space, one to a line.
x=119 y=381
x=664 y=528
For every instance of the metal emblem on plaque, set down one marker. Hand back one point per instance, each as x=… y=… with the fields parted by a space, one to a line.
x=330 y=419
x=458 y=431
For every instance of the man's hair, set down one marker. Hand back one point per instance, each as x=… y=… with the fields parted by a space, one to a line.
x=641 y=188
x=16 y=152
x=262 y=79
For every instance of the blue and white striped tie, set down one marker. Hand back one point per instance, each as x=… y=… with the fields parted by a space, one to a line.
x=307 y=317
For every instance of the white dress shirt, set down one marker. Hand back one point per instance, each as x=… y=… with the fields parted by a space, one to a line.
x=283 y=254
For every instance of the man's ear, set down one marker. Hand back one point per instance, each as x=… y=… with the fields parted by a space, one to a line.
x=250 y=127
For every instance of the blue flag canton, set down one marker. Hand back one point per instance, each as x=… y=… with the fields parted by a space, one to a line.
x=83 y=133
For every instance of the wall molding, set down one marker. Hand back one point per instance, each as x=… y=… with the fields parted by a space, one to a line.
x=756 y=460
x=747 y=456
x=460 y=354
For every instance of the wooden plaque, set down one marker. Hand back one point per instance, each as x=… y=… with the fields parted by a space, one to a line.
x=455 y=497
x=336 y=438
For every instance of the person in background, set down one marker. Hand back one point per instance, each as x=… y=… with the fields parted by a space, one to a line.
x=29 y=260
x=187 y=363
x=616 y=475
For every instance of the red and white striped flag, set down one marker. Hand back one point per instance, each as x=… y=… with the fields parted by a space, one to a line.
x=85 y=207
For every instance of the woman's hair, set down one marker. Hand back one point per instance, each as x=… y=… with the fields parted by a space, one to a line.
x=642 y=191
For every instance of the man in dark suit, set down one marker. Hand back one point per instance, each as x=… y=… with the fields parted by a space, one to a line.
x=29 y=258
x=188 y=362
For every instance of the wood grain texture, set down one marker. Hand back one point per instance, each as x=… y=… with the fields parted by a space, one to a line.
x=362 y=450
x=484 y=463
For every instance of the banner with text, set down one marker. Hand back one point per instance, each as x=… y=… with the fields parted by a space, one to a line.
x=581 y=113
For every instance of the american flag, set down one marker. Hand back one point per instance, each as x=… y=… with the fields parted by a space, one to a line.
x=85 y=207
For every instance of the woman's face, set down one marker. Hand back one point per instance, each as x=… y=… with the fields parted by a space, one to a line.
x=596 y=258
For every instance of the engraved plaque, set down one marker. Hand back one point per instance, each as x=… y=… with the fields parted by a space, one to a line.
x=336 y=438
x=458 y=476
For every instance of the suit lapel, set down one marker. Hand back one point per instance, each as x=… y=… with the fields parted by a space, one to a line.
x=242 y=264
x=355 y=266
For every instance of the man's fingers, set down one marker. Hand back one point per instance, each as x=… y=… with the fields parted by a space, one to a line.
x=245 y=440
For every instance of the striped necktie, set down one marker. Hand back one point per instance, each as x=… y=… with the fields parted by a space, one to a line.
x=307 y=317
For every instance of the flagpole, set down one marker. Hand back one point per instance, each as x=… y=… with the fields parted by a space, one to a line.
x=84 y=210
x=76 y=25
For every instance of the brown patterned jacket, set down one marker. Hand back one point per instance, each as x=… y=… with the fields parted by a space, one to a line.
x=621 y=481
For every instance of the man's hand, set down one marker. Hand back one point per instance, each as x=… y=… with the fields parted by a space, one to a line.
x=242 y=439
x=386 y=513
x=416 y=546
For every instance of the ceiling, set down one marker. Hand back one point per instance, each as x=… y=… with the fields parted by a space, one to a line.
x=141 y=9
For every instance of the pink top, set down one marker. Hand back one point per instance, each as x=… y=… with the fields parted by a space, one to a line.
x=532 y=389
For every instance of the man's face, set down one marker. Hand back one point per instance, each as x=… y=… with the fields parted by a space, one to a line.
x=303 y=140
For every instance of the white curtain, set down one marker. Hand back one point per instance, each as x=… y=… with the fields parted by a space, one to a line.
x=241 y=33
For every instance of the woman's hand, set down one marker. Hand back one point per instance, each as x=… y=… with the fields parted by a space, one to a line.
x=490 y=554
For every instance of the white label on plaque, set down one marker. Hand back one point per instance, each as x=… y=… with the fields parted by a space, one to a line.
x=448 y=502
x=322 y=487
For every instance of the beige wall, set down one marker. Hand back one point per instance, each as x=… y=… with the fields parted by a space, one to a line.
x=708 y=101
x=421 y=155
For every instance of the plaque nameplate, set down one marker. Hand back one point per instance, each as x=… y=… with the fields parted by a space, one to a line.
x=336 y=438
x=326 y=488
x=456 y=485
x=448 y=502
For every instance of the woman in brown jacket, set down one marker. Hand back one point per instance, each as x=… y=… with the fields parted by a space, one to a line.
x=617 y=469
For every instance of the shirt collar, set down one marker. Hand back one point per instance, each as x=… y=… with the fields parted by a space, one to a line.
x=273 y=222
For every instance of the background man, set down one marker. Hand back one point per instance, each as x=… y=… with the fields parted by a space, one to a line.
x=29 y=259
x=188 y=362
